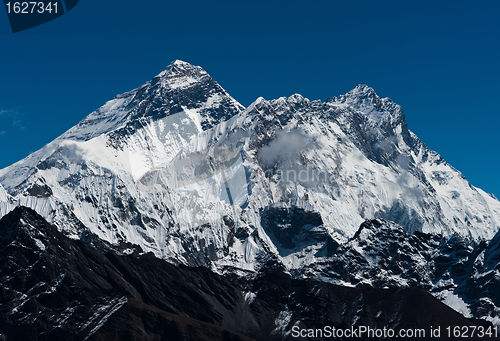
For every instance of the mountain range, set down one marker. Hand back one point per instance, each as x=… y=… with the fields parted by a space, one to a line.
x=339 y=192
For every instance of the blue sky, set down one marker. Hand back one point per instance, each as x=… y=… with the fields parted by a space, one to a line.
x=438 y=59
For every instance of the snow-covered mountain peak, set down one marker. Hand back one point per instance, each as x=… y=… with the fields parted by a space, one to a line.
x=280 y=104
x=181 y=74
x=180 y=88
x=362 y=90
x=178 y=65
x=364 y=99
x=259 y=102
x=362 y=93
x=297 y=98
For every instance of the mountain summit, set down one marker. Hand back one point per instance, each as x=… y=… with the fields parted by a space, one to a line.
x=364 y=99
x=179 y=69
x=181 y=87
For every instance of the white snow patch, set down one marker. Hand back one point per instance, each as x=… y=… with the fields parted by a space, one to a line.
x=103 y=313
x=454 y=301
x=249 y=297
x=282 y=321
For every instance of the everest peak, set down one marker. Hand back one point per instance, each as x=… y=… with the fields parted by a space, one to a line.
x=181 y=87
x=181 y=74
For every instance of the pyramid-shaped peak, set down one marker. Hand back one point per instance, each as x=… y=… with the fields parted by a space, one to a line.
x=26 y=225
x=364 y=99
x=180 y=86
x=179 y=68
x=181 y=63
x=362 y=91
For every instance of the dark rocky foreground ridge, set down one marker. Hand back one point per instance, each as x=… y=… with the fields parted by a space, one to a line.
x=56 y=288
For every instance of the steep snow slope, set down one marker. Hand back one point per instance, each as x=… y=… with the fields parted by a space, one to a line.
x=5 y=205
x=180 y=169
x=3 y=194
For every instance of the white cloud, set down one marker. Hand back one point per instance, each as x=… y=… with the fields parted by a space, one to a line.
x=286 y=146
